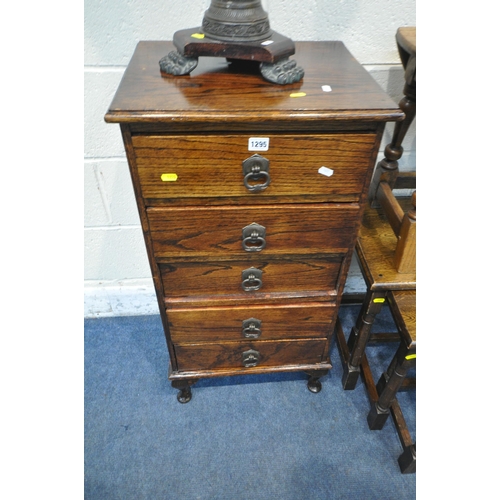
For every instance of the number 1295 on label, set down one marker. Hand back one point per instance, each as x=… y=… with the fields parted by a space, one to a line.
x=258 y=144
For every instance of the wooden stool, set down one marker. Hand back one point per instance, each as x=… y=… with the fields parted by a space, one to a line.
x=376 y=250
x=386 y=263
x=386 y=251
x=403 y=308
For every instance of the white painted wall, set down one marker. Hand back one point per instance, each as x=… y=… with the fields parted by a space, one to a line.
x=116 y=270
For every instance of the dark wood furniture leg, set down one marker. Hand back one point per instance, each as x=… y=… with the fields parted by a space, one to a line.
x=389 y=384
x=359 y=337
x=313 y=383
x=408 y=460
x=388 y=168
x=184 y=385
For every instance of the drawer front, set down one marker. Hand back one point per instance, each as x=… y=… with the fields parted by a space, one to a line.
x=247 y=355
x=235 y=278
x=207 y=166
x=218 y=231
x=246 y=322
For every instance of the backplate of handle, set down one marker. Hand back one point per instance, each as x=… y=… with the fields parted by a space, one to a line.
x=256 y=175
x=253 y=237
x=251 y=328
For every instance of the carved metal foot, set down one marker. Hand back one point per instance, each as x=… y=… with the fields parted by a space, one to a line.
x=282 y=72
x=176 y=64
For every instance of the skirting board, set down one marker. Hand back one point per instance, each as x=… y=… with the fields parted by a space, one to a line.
x=124 y=298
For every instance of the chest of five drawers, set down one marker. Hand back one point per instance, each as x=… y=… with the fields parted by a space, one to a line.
x=250 y=205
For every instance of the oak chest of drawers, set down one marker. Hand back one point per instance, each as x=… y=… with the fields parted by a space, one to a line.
x=250 y=197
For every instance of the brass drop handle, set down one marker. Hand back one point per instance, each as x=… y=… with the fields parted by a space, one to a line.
x=251 y=328
x=253 y=238
x=251 y=279
x=251 y=358
x=256 y=169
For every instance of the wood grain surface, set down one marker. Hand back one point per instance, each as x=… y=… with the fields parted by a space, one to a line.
x=404 y=306
x=216 y=92
x=375 y=248
x=208 y=165
x=217 y=231
x=225 y=323
x=185 y=279
x=229 y=354
x=193 y=132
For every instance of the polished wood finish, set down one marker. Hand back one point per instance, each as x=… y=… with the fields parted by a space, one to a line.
x=403 y=305
x=386 y=251
x=388 y=168
x=217 y=231
x=211 y=356
x=253 y=51
x=222 y=278
x=376 y=247
x=406 y=248
x=214 y=93
x=226 y=323
x=404 y=227
x=186 y=139
x=406 y=38
x=293 y=157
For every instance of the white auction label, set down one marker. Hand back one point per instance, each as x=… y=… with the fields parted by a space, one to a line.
x=258 y=144
x=325 y=171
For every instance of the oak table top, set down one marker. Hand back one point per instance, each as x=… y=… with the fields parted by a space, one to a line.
x=335 y=88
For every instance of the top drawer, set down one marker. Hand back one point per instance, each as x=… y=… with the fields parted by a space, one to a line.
x=330 y=167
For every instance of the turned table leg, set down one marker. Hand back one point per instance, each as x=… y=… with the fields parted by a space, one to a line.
x=359 y=336
x=387 y=169
x=389 y=384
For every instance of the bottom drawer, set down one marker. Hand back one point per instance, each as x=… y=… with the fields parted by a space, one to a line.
x=192 y=357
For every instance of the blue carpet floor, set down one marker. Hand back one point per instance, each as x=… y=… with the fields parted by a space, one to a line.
x=239 y=438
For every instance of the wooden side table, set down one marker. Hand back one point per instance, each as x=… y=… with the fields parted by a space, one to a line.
x=403 y=305
x=250 y=197
x=375 y=244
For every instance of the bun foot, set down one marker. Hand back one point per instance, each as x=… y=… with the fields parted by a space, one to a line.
x=314 y=385
x=184 y=395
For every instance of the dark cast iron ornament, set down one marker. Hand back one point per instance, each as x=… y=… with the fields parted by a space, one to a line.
x=236 y=30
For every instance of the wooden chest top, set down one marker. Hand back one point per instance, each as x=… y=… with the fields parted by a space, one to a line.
x=335 y=88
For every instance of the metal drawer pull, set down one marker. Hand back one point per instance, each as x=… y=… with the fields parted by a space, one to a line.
x=251 y=279
x=254 y=238
x=251 y=358
x=251 y=328
x=256 y=168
